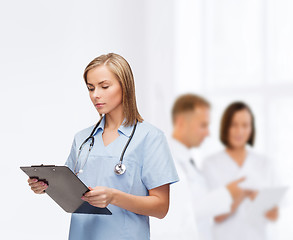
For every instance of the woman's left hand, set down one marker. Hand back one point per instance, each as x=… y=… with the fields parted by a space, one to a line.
x=99 y=196
x=272 y=214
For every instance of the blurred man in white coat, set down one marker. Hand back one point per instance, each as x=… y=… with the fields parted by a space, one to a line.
x=192 y=206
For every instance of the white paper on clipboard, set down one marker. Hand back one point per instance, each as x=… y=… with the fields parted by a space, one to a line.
x=267 y=199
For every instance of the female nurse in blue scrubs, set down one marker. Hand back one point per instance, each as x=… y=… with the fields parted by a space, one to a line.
x=143 y=189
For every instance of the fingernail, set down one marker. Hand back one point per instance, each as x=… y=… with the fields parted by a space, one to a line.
x=35 y=180
x=82 y=198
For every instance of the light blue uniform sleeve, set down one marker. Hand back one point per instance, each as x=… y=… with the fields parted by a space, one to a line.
x=72 y=156
x=158 y=167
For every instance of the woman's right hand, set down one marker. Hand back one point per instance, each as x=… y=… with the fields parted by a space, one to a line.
x=238 y=195
x=38 y=187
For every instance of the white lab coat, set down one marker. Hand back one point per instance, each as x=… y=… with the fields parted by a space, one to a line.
x=220 y=169
x=192 y=207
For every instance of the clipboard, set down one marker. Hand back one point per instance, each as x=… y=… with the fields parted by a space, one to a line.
x=65 y=188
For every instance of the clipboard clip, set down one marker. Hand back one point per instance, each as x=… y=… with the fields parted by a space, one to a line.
x=42 y=165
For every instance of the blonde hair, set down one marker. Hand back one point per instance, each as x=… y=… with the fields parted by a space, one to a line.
x=121 y=69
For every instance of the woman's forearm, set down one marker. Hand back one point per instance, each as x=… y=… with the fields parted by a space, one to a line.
x=153 y=205
x=156 y=204
x=234 y=207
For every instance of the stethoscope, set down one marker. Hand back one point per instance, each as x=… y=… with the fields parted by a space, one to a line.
x=119 y=168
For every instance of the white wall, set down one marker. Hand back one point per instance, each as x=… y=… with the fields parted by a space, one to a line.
x=45 y=46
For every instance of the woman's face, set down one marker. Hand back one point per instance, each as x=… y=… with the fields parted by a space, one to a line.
x=104 y=89
x=240 y=129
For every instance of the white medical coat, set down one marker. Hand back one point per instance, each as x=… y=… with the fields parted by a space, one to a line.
x=220 y=169
x=192 y=206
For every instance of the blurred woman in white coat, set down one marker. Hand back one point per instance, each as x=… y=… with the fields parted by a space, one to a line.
x=238 y=131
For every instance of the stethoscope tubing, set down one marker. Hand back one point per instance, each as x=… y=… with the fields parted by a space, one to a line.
x=119 y=167
x=125 y=147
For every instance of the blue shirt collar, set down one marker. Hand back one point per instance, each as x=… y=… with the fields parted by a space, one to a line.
x=122 y=129
x=101 y=125
x=125 y=130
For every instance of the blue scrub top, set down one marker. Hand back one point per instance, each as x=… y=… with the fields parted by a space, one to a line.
x=149 y=164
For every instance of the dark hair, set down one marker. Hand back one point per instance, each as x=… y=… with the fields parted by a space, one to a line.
x=227 y=120
x=186 y=103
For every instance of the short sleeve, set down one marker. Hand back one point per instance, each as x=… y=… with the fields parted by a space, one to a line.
x=158 y=167
x=72 y=156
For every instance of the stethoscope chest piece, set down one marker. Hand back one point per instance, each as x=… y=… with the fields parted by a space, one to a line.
x=119 y=169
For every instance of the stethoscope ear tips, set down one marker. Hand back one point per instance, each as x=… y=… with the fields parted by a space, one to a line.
x=119 y=169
